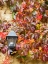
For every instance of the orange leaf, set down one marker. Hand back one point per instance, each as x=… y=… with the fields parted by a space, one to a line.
x=20 y=38
x=31 y=40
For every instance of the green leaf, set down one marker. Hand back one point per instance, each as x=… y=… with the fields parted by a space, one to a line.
x=13 y=14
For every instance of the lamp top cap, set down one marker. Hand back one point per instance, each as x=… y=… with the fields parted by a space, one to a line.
x=12 y=33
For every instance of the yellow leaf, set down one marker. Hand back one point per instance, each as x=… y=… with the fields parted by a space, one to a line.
x=40 y=48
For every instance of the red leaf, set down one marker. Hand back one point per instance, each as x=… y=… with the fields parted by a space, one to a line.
x=24 y=4
x=3 y=35
x=26 y=41
x=39 y=16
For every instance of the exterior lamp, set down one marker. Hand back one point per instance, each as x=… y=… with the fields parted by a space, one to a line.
x=11 y=40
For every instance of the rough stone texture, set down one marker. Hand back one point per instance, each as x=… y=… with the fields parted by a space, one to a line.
x=2 y=57
x=13 y=59
x=5 y=14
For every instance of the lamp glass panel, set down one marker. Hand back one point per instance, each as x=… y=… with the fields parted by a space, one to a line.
x=11 y=40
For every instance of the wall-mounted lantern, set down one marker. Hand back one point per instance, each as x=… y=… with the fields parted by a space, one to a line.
x=11 y=40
